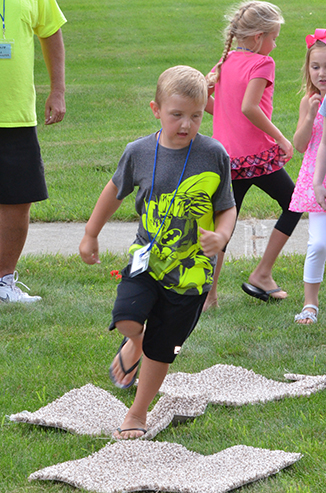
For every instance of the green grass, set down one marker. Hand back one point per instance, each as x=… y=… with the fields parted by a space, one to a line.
x=115 y=52
x=61 y=343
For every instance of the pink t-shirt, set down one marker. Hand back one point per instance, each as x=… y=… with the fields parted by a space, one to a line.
x=238 y=135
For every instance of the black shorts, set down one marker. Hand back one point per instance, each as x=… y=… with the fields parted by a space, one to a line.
x=170 y=317
x=22 y=177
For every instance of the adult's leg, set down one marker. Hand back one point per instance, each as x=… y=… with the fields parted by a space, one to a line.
x=278 y=186
x=14 y=222
x=240 y=188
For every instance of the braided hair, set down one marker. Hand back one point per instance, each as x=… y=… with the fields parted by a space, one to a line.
x=248 y=19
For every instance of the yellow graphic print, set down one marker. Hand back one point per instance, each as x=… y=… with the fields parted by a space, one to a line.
x=176 y=257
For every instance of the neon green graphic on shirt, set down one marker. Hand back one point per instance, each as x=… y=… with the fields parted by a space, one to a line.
x=176 y=257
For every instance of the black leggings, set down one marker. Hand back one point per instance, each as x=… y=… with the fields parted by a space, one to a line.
x=279 y=186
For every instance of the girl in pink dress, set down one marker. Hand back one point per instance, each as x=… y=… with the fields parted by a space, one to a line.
x=307 y=139
x=243 y=85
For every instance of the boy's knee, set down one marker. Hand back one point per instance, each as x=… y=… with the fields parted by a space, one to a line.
x=129 y=327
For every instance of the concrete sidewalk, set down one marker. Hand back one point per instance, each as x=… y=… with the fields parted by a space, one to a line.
x=250 y=238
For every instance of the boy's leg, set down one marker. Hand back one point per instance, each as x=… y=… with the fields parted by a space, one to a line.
x=151 y=376
x=171 y=320
x=131 y=351
x=135 y=298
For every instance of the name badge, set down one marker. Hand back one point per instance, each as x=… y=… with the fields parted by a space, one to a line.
x=6 y=49
x=140 y=261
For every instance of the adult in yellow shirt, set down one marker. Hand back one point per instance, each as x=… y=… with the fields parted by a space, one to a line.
x=22 y=178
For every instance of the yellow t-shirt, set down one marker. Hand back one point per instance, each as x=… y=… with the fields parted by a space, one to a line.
x=23 y=19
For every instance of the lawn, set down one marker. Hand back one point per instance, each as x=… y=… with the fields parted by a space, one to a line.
x=115 y=52
x=63 y=343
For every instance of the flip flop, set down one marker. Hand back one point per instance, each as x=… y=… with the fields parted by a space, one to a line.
x=258 y=292
x=126 y=372
x=119 y=430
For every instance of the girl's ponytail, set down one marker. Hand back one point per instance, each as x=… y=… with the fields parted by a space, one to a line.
x=248 y=19
x=213 y=77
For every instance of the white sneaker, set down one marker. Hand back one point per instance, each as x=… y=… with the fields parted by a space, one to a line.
x=10 y=293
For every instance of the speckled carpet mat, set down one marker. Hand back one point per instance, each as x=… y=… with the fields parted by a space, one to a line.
x=235 y=386
x=136 y=465
x=144 y=465
x=91 y=410
x=94 y=411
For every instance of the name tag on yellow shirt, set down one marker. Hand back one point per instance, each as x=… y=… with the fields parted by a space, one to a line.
x=6 y=49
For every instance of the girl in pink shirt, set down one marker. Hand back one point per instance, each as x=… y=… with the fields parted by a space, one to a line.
x=243 y=85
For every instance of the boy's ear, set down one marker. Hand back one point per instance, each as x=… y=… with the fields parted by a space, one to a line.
x=155 y=109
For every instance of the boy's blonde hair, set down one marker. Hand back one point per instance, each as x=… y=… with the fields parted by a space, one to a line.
x=184 y=81
x=247 y=19
x=307 y=84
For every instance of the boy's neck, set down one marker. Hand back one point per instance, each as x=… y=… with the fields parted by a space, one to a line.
x=162 y=142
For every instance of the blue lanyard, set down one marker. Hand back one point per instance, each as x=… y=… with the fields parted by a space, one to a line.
x=3 y=17
x=172 y=200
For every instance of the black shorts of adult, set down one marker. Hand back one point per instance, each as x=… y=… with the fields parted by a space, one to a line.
x=279 y=186
x=170 y=317
x=22 y=177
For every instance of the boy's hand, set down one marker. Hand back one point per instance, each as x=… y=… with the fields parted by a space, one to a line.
x=211 y=242
x=88 y=250
x=320 y=193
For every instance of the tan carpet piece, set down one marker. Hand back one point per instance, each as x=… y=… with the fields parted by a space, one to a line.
x=93 y=411
x=128 y=466
x=235 y=386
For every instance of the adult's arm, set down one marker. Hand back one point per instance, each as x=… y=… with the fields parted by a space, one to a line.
x=54 y=57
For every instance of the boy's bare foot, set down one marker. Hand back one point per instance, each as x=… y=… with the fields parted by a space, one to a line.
x=124 y=367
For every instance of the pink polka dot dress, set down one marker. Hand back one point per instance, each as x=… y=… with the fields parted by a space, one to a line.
x=303 y=197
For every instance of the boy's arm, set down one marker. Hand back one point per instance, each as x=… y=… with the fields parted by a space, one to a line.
x=106 y=205
x=320 y=171
x=213 y=242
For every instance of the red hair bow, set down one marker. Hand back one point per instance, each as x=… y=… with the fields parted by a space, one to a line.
x=320 y=35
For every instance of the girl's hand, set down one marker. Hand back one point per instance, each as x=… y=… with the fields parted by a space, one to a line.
x=286 y=147
x=320 y=193
x=88 y=250
x=313 y=105
x=211 y=242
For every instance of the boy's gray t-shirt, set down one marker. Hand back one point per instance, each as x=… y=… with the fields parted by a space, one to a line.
x=176 y=259
x=322 y=109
